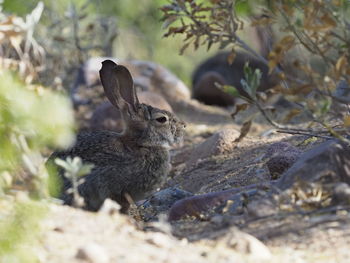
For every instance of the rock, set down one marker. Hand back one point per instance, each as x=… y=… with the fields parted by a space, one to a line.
x=93 y=253
x=280 y=163
x=239 y=201
x=282 y=156
x=219 y=143
x=164 y=199
x=179 y=156
x=327 y=162
x=279 y=148
x=108 y=117
x=110 y=207
x=161 y=80
x=341 y=99
x=160 y=202
x=263 y=207
x=159 y=240
x=195 y=205
x=217 y=219
x=196 y=112
x=155 y=100
x=247 y=244
x=342 y=91
x=341 y=193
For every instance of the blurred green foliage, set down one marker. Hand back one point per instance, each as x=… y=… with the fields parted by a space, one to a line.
x=38 y=116
x=19 y=227
x=251 y=80
x=31 y=118
x=139 y=27
x=141 y=36
x=74 y=169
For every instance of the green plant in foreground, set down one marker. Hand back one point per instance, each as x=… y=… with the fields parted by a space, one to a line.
x=250 y=84
x=31 y=118
x=19 y=227
x=74 y=170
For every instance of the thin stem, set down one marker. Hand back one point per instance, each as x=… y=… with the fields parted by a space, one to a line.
x=304 y=133
x=267 y=117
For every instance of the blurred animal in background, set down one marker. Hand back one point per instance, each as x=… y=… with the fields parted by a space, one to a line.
x=216 y=71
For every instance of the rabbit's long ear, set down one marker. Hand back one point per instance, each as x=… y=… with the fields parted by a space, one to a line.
x=126 y=86
x=118 y=85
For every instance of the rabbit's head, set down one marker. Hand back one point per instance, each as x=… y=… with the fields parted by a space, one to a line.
x=144 y=124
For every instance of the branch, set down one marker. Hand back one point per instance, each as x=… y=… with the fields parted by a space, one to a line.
x=305 y=133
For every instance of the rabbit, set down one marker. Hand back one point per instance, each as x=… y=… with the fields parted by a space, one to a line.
x=134 y=162
x=217 y=69
x=108 y=117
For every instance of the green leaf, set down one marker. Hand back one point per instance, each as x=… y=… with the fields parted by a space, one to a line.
x=247 y=71
x=325 y=106
x=85 y=169
x=74 y=167
x=246 y=87
x=18 y=7
x=243 y=8
x=231 y=90
x=64 y=164
x=256 y=81
x=251 y=80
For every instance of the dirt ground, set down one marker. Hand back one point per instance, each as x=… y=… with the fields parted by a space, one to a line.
x=73 y=235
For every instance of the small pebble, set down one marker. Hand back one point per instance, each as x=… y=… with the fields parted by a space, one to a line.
x=342 y=193
x=262 y=208
x=282 y=156
x=217 y=219
x=110 y=207
x=93 y=253
x=250 y=245
x=219 y=143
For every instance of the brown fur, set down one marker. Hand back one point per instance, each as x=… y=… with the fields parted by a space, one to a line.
x=217 y=69
x=134 y=162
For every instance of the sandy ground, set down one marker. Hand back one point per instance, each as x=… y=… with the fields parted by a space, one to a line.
x=73 y=235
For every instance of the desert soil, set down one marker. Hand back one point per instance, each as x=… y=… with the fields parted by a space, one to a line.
x=74 y=235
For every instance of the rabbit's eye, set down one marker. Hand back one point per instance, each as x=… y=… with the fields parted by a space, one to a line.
x=162 y=119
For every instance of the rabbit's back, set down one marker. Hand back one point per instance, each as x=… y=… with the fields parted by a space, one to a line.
x=99 y=148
